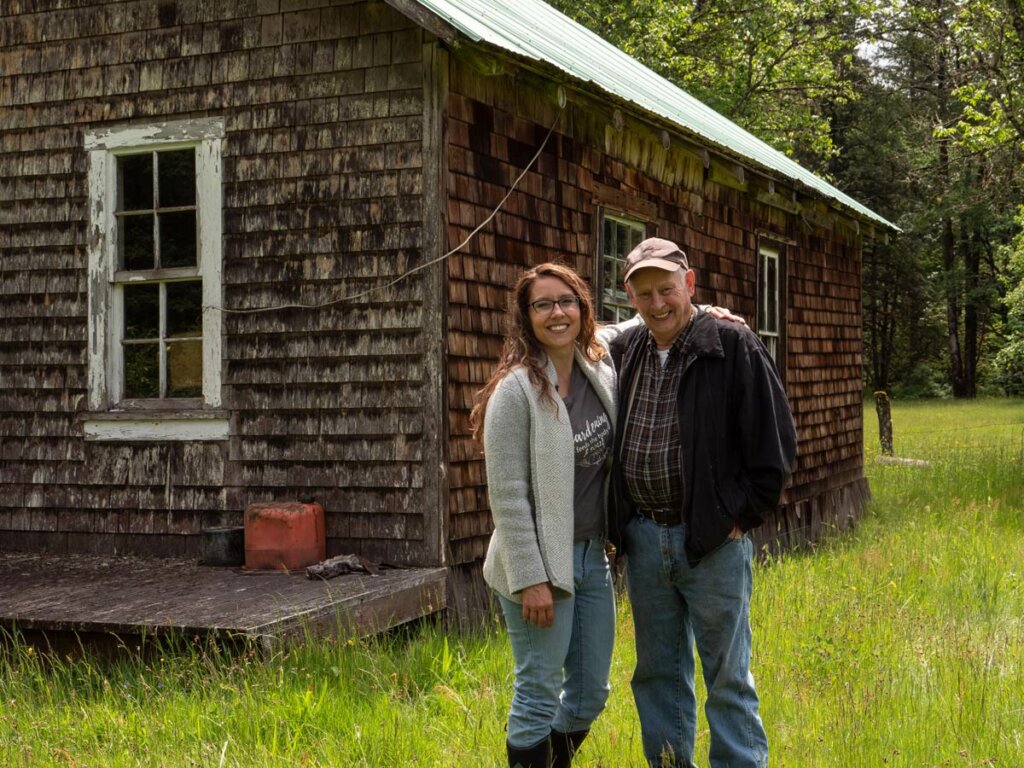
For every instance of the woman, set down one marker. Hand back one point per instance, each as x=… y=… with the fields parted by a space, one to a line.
x=547 y=415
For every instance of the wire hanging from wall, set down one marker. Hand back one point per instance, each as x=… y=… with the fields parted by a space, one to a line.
x=425 y=265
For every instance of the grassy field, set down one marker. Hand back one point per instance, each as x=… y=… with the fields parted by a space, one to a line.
x=899 y=644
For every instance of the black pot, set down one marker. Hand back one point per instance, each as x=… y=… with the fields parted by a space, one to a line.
x=224 y=546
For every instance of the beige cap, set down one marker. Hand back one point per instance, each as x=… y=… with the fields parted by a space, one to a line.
x=658 y=253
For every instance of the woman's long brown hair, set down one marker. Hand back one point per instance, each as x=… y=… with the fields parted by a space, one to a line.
x=521 y=346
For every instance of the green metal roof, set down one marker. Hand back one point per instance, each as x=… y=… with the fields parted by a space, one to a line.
x=535 y=30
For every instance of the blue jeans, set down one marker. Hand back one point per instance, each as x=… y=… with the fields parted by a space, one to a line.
x=675 y=606
x=561 y=673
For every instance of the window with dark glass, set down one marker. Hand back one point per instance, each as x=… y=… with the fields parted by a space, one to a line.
x=157 y=274
x=768 y=311
x=618 y=237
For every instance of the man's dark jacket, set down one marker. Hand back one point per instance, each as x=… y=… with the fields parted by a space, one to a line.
x=738 y=442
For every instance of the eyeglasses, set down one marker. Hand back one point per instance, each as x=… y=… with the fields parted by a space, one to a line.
x=547 y=306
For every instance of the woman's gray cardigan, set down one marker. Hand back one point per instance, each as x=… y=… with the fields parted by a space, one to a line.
x=530 y=460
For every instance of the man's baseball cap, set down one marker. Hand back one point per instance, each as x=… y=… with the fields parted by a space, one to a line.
x=655 y=252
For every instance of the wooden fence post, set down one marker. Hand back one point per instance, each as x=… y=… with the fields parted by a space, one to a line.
x=884 y=422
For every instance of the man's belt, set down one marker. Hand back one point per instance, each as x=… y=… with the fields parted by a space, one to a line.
x=660 y=516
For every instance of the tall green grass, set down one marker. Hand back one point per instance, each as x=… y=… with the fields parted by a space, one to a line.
x=899 y=644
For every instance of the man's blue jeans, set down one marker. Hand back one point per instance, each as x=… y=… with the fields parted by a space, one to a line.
x=561 y=673
x=675 y=606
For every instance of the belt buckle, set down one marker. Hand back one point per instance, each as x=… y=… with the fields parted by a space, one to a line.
x=653 y=517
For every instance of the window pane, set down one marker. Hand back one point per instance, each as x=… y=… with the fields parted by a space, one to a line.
x=136 y=241
x=178 y=239
x=141 y=370
x=185 y=368
x=771 y=303
x=142 y=311
x=634 y=240
x=177 y=178
x=135 y=182
x=620 y=237
x=184 y=309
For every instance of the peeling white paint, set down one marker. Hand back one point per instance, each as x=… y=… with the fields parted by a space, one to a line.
x=98 y=280
x=210 y=204
x=105 y=316
x=156 y=429
x=164 y=133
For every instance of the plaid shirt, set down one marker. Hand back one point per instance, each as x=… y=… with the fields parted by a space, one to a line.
x=650 y=458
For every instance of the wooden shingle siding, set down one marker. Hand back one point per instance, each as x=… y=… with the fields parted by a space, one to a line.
x=355 y=147
x=490 y=143
x=323 y=105
x=598 y=159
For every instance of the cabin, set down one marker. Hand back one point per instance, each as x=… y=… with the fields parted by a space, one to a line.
x=259 y=250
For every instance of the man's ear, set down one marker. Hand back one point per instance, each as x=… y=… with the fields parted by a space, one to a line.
x=629 y=294
x=691 y=281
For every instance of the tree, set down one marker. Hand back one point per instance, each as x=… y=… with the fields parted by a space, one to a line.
x=915 y=107
x=958 y=176
x=879 y=147
x=1009 y=361
x=768 y=65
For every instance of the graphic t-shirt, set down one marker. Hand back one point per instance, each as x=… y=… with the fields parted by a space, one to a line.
x=592 y=436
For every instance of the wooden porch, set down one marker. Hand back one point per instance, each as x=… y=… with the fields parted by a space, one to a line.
x=71 y=600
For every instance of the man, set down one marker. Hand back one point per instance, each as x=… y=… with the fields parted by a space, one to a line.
x=704 y=446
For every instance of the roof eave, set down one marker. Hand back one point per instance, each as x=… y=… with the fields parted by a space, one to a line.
x=456 y=37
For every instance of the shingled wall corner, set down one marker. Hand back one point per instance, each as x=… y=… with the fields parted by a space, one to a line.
x=323 y=108
x=598 y=161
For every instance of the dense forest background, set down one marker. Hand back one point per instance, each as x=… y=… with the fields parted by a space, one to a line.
x=913 y=107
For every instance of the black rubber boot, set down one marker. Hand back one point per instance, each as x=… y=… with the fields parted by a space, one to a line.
x=564 y=746
x=537 y=756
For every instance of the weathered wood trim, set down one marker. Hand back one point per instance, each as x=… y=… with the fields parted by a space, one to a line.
x=775 y=200
x=209 y=200
x=484 y=60
x=100 y=272
x=157 y=414
x=848 y=225
x=159 y=429
x=185 y=132
x=817 y=214
x=617 y=201
x=106 y=311
x=429 y=21
x=728 y=174
x=597 y=238
x=435 y=173
x=172 y=273
x=768 y=234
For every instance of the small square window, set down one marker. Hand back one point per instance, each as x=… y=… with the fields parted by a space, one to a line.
x=177 y=175
x=136 y=249
x=177 y=239
x=135 y=182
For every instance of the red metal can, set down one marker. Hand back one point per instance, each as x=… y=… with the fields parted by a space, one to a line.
x=284 y=535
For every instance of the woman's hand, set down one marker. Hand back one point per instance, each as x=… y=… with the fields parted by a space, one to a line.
x=539 y=605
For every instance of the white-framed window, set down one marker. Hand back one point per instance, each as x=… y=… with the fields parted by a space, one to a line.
x=619 y=236
x=769 y=300
x=155 y=282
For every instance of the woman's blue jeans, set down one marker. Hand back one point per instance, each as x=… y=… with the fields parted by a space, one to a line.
x=674 y=607
x=561 y=673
